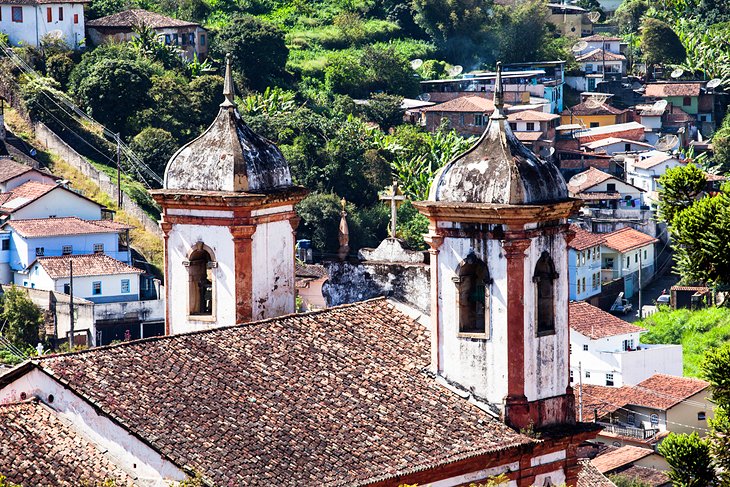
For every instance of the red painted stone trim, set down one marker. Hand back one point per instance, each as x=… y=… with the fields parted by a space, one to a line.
x=166 y=228
x=434 y=242
x=243 y=257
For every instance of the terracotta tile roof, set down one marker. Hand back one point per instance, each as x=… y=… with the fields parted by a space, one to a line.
x=589 y=476
x=620 y=457
x=24 y=194
x=528 y=136
x=626 y=239
x=599 y=55
x=652 y=161
x=662 y=90
x=594 y=323
x=532 y=116
x=465 y=104
x=133 y=17
x=599 y=196
x=10 y=169
x=672 y=388
x=598 y=38
x=603 y=109
x=701 y=289
x=614 y=140
x=647 y=475
x=714 y=177
x=321 y=398
x=584 y=239
x=84 y=265
x=48 y=227
x=310 y=270
x=587 y=179
x=39 y=448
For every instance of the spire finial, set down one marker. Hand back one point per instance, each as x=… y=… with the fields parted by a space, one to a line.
x=228 y=91
x=498 y=93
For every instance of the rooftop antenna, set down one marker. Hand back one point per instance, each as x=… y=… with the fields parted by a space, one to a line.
x=416 y=63
x=424 y=96
x=228 y=90
x=677 y=73
x=579 y=47
x=455 y=70
x=594 y=16
x=666 y=142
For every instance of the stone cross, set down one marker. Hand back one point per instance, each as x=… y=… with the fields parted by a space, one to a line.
x=395 y=198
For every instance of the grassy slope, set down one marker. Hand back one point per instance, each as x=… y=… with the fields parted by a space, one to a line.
x=143 y=241
x=697 y=332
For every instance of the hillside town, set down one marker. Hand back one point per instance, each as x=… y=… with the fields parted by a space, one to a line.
x=366 y=243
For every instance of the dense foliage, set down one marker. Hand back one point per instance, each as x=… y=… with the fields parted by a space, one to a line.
x=689 y=459
x=23 y=320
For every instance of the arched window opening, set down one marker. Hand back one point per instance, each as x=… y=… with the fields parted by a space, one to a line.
x=544 y=280
x=473 y=295
x=200 y=273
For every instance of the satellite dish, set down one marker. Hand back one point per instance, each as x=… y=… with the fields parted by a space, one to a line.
x=424 y=96
x=594 y=17
x=677 y=73
x=578 y=179
x=455 y=70
x=714 y=83
x=56 y=34
x=660 y=105
x=579 y=46
x=416 y=63
x=552 y=151
x=666 y=142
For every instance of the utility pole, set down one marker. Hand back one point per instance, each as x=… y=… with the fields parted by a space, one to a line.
x=641 y=264
x=119 y=173
x=580 y=392
x=71 y=304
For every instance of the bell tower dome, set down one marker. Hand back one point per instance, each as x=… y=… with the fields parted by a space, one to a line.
x=498 y=234
x=228 y=222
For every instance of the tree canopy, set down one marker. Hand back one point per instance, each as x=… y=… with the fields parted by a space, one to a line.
x=660 y=43
x=23 y=319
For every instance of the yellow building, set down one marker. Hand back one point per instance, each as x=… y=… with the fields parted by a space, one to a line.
x=589 y=117
x=570 y=20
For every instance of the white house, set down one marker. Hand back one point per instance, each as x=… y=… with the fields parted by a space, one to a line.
x=602 y=190
x=610 y=44
x=601 y=61
x=26 y=22
x=644 y=170
x=52 y=237
x=34 y=200
x=96 y=277
x=624 y=252
x=13 y=174
x=607 y=352
x=584 y=264
x=613 y=145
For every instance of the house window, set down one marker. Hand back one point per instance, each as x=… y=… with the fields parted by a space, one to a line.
x=627 y=147
x=125 y=286
x=636 y=257
x=611 y=187
x=39 y=251
x=701 y=416
x=654 y=419
x=609 y=379
x=200 y=275
x=96 y=288
x=531 y=126
x=202 y=39
x=473 y=295
x=60 y=14
x=98 y=248
x=67 y=250
x=191 y=39
x=49 y=14
x=628 y=262
x=145 y=284
x=646 y=254
x=513 y=126
x=584 y=284
x=628 y=345
x=577 y=287
x=76 y=18
x=67 y=288
x=17 y=13
x=6 y=244
x=588 y=375
x=631 y=419
x=544 y=280
x=478 y=119
x=585 y=348
x=686 y=101
x=595 y=124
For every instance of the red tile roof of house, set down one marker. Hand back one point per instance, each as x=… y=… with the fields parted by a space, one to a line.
x=24 y=194
x=323 y=398
x=701 y=289
x=599 y=55
x=602 y=109
x=673 y=388
x=464 y=104
x=626 y=455
x=663 y=90
x=589 y=476
x=627 y=239
x=84 y=265
x=598 y=38
x=594 y=323
x=130 y=18
x=38 y=448
x=584 y=239
x=10 y=169
x=528 y=136
x=587 y=179
x=532 y=116
x=50 y=227
x=599 y=196
x=615 y=140
x=649 y=476
x=652 y=161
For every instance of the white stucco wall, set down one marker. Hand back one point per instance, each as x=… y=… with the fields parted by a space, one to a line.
x=60 y=203
x=181 y=240
x=23 y=250
x=273 y=270
x=24 y=178
x=35 y=23
x=128 y=452
x=580 y=267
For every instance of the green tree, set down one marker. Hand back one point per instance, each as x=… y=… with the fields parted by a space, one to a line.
x=258 y=49
x=412 y=226
x=721 y=148
x=206 y=95
x=23 y=319
x=679 y=188
x=320 y=214
x=660 y=44
x=170 y=108
x=518 y=32
x=155 y=146
x=4 y=482
x=628 y=15
x=716 y=370
x=59 y=67
x=689 y=460
x=115 y=90
x=385 y=110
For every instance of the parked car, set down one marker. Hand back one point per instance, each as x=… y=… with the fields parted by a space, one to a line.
x=664 y=299
x=624 y=306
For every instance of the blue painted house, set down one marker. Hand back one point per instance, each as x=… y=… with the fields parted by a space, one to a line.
x=584 y=265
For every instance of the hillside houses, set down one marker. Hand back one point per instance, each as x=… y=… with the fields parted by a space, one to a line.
x=28 y=22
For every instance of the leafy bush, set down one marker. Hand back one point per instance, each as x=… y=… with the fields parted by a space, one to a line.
x=155 y=147
x=24 y=319
x=59 y=67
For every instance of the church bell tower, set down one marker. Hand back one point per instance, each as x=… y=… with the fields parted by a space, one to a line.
x=499 y=277
x=228 y=222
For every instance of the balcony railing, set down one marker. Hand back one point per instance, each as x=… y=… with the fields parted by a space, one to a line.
x=629 y=431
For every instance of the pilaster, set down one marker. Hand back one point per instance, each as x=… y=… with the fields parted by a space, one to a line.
x=434 y=241
x=243 y=257
x=166 y=228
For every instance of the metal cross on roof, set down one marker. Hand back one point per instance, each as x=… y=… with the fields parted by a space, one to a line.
x=396 y=198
